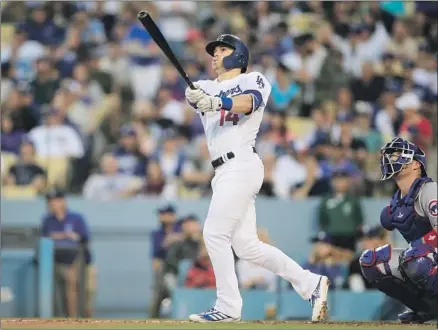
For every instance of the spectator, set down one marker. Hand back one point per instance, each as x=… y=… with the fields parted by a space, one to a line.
x=344 y=103
x=116 y=64
x=322 y=260
x=171 y=160
x=388 y=119
x=175 y=22
x=55 y=139
x=87 y=96
x=46 y=81
x=41 y=28
x=340 y=214
x=110 y=184
x=198 y=172
x=296 y=174
x=307 y=64
x=284 y=90
x=401 y=44
x=162 y=238
x=90 y=30
x=185 y=249
x=251 y=276
x=415 y=127
x=131 y=161
x=168 y=234
x=70 y=232
x=144 y=57
x=332 y=77
x=22 y=53
x=20 y=108
x=370 y=238
x=169 y=108
x=368 y=87
x=354 y=147
x=10 y=137
x=7 y=83
x=155 y=182
x=201 y=274
x=26 y=172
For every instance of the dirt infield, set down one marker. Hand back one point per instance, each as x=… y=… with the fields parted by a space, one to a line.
x=172 y=324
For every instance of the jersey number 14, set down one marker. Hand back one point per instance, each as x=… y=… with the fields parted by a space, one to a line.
x=229 y=116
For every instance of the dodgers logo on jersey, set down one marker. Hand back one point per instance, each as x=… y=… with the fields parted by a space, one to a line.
x=260 y=82
x=433 y=208
x=232 y=91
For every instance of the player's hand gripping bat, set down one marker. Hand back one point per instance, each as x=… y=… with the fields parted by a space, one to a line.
x=149 y=24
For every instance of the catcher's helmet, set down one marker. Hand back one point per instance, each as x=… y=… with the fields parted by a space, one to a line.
x=239 y=58
x=391 y=164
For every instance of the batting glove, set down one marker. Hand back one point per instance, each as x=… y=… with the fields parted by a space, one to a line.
x=209 y=103
x=194 y=95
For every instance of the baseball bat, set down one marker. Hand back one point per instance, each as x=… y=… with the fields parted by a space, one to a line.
x=149 y=24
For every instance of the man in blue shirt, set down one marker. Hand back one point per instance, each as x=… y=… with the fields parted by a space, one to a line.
x=69 y=232
x=145 y=64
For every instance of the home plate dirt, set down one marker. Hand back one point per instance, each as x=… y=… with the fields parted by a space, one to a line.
x=173 y=324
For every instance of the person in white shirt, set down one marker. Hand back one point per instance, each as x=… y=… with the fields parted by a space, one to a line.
x=231 y=110
x=55 y=139
x=110 y=184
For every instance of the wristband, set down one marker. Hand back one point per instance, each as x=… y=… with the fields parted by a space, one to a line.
x=227 y=103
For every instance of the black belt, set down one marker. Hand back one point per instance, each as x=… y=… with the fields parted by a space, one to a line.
x=222 y=160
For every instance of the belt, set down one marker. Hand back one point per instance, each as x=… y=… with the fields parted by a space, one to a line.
x=222 y=160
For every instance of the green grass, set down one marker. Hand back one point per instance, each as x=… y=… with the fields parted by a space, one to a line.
x=156 y=324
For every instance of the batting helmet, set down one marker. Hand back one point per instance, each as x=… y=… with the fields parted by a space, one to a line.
x=391 y=164
x=239 y=58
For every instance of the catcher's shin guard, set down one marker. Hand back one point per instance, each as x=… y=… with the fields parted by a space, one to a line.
x=376 y=269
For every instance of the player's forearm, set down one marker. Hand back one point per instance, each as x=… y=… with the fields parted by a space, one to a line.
x=241 y=103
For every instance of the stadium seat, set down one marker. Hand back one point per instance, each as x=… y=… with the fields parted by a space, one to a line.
x=8 y=159
x=57 y=170
x=299 y=127
x=18 y=192
x=7 y=33
x=183 y=269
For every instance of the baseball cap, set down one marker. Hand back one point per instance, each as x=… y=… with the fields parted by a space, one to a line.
x=168 y=208
x=341 y=171
x=322 y=237
x=408 y=101
x=27 y=140
x=373 y=232
x=55 y=193
x=189 y=217
x=127 y=130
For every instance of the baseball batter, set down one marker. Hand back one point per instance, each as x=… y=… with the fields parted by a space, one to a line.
x=231 y=109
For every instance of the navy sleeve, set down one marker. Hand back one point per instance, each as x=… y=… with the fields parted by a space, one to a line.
x=156 y=246
x=45 y=229
x=82 y=229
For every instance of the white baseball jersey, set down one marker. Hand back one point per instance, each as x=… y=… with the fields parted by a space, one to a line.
x=225 y=130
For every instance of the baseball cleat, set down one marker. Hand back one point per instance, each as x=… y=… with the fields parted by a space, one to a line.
x=415 y=317
x=212 y=315
x=318 y=300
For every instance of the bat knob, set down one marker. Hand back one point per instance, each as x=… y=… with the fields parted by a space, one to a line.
x=142 y=14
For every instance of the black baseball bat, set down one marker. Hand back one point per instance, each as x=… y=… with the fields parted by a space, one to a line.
x=149 y=24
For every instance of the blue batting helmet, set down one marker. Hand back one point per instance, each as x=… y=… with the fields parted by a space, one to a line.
x=239 y=58
x=391 y=164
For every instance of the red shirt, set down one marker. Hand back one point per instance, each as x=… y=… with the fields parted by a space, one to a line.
x=422 y=136
x=201 y=275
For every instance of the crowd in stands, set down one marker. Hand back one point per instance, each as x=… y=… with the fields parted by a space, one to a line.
x=89 y=102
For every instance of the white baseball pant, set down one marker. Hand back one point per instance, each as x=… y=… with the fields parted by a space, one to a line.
x=231 y=222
